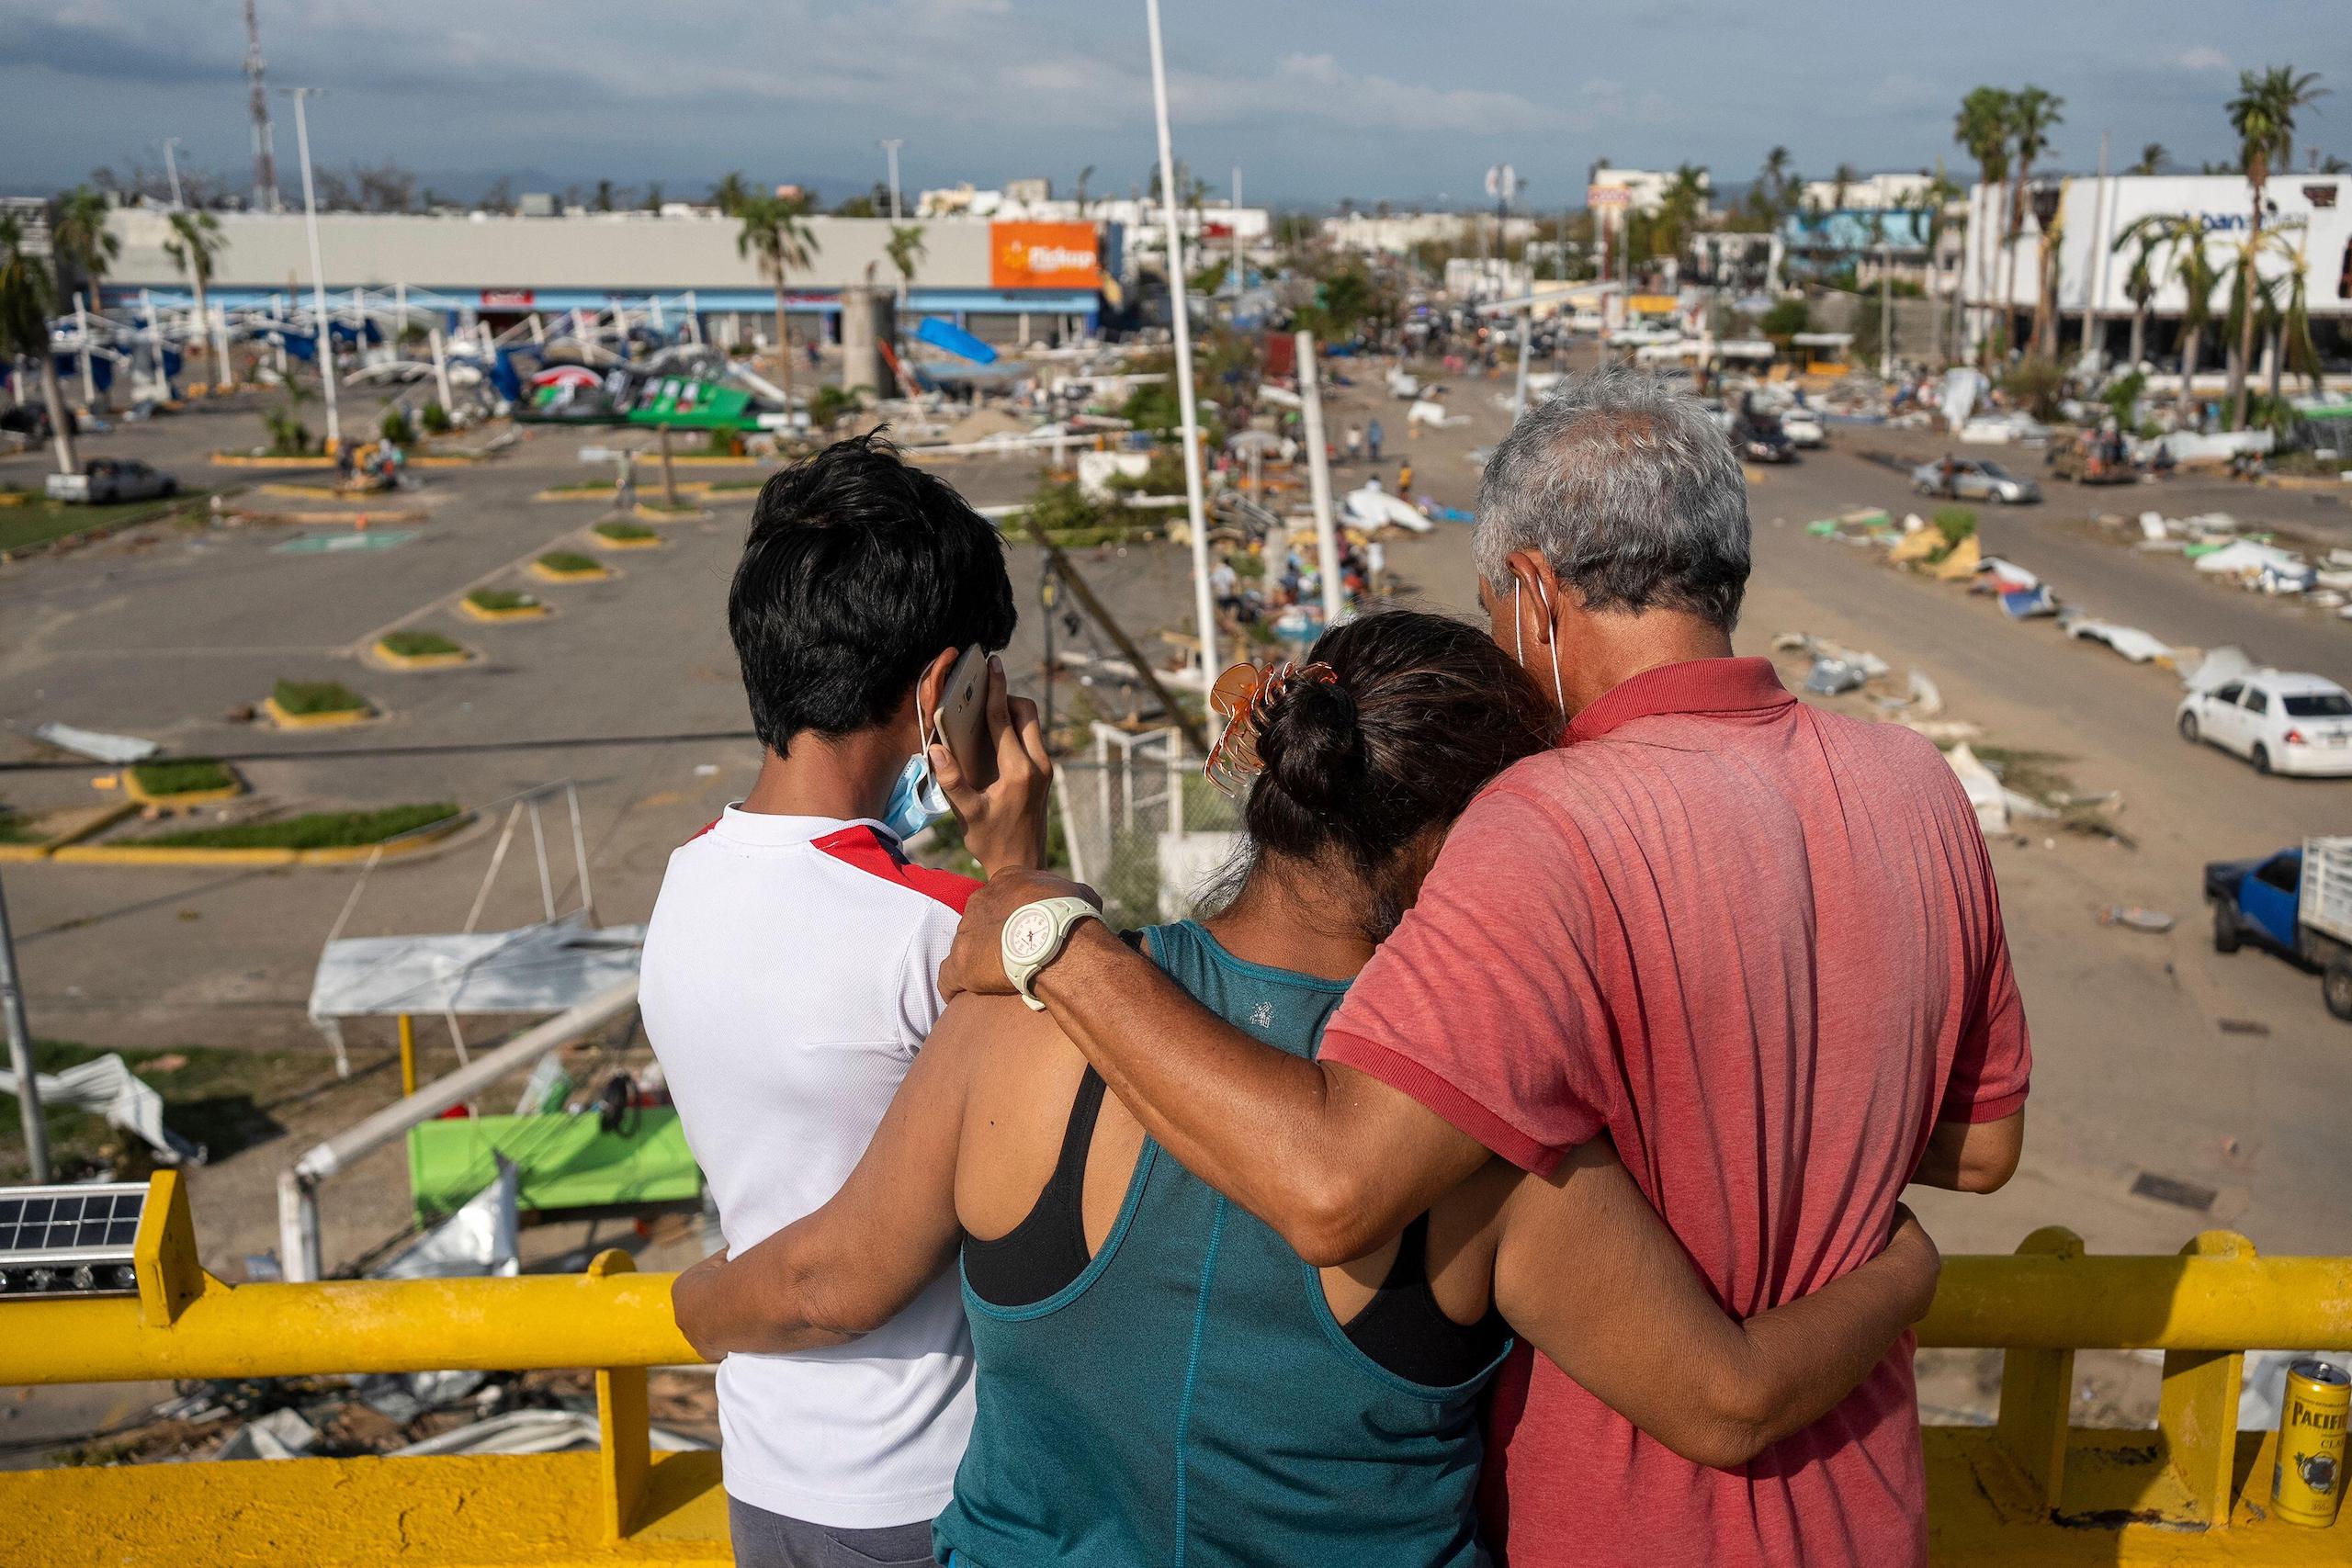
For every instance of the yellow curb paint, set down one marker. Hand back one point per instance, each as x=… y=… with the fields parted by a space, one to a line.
x=521 y=613
x=140 y=796
x=336 y=720
x=605 y=542
x=601 y=574
x=245 y=460
x=23 y=854
x=386 y=656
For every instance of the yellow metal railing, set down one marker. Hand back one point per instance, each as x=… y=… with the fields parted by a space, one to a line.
x=2027 y=1488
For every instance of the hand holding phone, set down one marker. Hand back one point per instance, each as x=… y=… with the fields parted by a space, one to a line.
x=1004 y=811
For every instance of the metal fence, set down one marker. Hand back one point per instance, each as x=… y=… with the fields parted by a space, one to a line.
x=1135 y=820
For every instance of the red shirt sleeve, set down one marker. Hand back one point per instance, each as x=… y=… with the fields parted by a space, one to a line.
x=1482 y=1006
x=1994 y=1066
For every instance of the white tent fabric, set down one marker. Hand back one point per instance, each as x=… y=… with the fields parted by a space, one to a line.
x=541 y=969
x=1372 y=507
x=479 y=1239
x=109 y=1086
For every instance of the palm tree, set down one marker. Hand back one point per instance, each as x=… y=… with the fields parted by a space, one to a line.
x=27 y=294
x=1678 y=211
x=731 y=193
x=80 y=241
x=1982 y=127
x=777 y=233
x=195 y=239
x=2151 y=157
x=2032 y=114
x=1847 y=175
x=2182 y=238
x=2294 y=346
x=2140 y=282
x=2262 y=114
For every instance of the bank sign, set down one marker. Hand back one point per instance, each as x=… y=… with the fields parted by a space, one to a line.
x=1043 y=256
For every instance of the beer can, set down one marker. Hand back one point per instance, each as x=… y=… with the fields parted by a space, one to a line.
x=2309 y=1483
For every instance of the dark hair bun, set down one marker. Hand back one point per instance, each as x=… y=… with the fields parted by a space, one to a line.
x=1313 y=744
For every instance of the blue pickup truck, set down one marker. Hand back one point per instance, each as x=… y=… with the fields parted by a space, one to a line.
x=2296 y=902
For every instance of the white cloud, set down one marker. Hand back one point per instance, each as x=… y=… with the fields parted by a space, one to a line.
x=2203 y=57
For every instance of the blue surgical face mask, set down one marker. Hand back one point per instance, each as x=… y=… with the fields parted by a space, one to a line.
x=916 y=801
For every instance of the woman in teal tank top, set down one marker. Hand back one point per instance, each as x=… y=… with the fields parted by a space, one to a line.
x=1160 y=1380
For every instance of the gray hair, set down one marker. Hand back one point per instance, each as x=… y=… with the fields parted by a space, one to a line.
x=1629 y=489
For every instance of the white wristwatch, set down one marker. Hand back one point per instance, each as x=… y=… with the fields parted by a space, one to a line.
x=1035 y=936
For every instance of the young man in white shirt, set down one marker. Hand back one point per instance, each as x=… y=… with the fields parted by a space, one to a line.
x=791 y=970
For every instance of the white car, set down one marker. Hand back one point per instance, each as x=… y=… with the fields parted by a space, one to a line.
x=2281 y=723
x=1803 y=428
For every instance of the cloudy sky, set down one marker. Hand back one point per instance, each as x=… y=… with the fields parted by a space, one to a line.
x=1317 y=99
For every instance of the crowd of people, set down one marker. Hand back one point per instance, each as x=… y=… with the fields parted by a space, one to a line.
x=1503 y=1167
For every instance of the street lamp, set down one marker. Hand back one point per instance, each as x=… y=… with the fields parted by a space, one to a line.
x=890 y=144
x=318 y=269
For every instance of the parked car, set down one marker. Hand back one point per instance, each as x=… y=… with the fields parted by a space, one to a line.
x=1803 y=428
x=1973 y=479
x=106 y=481
x=2281 y=723
x=2297 y=903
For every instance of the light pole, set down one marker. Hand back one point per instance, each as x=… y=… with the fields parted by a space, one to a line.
x=890 y=145
x=171 y=170
x=318 y=269
x=1179 y=314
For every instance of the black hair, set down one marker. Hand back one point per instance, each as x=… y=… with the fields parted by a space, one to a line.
x=1424 y=712
x=858 y=570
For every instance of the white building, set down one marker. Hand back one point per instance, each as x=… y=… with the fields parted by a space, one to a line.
x=1395 y=234
x=1647 y=187
x=1870 y=193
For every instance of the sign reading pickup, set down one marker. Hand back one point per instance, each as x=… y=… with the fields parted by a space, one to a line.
x=1043 y=256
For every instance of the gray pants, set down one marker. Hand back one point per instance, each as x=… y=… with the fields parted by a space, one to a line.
x=772 y=1540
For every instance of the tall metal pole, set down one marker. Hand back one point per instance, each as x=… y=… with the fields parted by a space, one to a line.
x=1319 y=472
x=82 y=331
x=2095 y=284
x=1238 y=280
x=1885 y=309
x=20 y=1053
x=264 y=154
x=890 y=144
x=318 y=269
x=171 y=170
x=1181 y=313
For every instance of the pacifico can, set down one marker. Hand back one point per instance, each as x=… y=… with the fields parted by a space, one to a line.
x=2309 y=1483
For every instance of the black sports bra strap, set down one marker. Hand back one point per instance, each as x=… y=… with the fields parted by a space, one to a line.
x=1078 y=1137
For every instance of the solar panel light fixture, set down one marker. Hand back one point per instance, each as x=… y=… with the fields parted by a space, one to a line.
x=70 y=1241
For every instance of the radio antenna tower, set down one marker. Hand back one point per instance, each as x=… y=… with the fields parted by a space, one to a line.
x=266 y=197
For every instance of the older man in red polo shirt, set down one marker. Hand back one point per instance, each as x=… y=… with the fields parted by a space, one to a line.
x=1755 y=943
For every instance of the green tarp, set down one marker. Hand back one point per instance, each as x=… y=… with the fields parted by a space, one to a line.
x=564 y=1162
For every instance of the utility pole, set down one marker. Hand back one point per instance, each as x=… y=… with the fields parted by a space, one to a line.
x=1885 y=309
x=1180 y=312
x=325 y=340
x=1239 y=281
x=890 y=145
x=171 y=170
x=265 y=156
x=20 y=1055
x=2095 y=286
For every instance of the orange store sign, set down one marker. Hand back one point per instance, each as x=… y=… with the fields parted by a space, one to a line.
x=1043 y=256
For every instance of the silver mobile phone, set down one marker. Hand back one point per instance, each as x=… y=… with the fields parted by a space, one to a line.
x=963 y=717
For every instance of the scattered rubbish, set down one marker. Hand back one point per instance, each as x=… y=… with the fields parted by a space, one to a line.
x=336 y=543
x=1373 y=507
x=536 y=1432
x=262 y=1268
x=2006 y=575
x=2242 y=1026
x=2152 y=526
x=1944 y=731
x=2267 y=567
x=1982 y=786
x=281 y=1433
x=1822 y=528
x=982 y=424
x=96 y=744
x=108 y=1085
x=2167 y=1190
x=1963 y=563
x=478 y=1239
x=706 y=769
x=1915 y=544
x=1830 y=676
x=1921 y=699
x=2137 y=917
x=2029 y=604
x=2130 y=641
x=2219 y=667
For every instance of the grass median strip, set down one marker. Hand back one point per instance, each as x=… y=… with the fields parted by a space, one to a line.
x=627 y=534
x=185 y=775
x=318 y=830
x=419 y=645
x=307 y=699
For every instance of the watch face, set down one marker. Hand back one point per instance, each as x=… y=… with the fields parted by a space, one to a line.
x=1027 y=935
